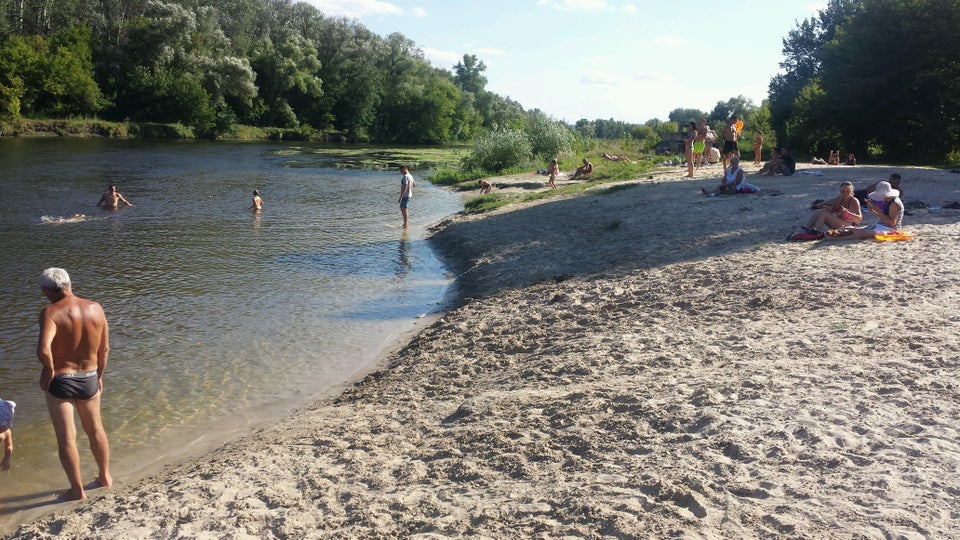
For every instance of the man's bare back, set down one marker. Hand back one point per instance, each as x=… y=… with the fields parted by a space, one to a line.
x=73 y=347
x=74 y=329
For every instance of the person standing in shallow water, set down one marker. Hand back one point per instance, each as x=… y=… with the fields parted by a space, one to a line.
x=257 y=202
x=72 y=348
x=111 y=199
x=406 y=192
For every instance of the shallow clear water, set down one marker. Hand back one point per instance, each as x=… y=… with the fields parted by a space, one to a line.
x=218 y=317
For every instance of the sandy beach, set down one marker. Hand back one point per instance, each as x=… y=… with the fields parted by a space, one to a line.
x=639 y=361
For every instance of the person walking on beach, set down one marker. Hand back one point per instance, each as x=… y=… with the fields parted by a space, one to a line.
x=731 y=137
x=257 y=202
x=553 y=169
x=72 y=348
x=688 y=147
x=757 y=147
x=407 y=184
x=111 y=199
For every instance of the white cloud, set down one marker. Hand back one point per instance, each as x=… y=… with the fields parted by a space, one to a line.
x=355 y=9
x=574 y=5
x=419 y=12
x=444 y=59
x=630 y=9
x=653 y=77
x=600 y=80
x=489 y=51
x=673 y=42
x=816 y=7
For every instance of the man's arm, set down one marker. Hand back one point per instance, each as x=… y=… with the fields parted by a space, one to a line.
x=126 y=202
x=48 y=329
x=103 y=199
x=104 y=349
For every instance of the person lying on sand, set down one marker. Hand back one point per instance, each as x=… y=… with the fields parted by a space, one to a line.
x=836 y=213
x=609 y=157
x=734 y=181
x=890 y=218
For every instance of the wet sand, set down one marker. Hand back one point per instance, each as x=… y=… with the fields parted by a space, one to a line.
x=638 y=362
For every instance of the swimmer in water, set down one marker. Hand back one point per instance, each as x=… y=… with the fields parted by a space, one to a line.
x=111 y=199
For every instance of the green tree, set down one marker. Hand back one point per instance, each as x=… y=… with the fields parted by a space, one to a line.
x=469 y=74
x=685 y=116
x=548 y=138
x=647 y=136
x=891 y=78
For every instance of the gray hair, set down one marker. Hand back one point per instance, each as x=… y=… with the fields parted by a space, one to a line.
x=54 y=279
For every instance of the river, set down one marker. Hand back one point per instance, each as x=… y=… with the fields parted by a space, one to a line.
x=219 y=318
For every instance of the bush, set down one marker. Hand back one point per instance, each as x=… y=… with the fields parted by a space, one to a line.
x=548 y=138
x=498 y=151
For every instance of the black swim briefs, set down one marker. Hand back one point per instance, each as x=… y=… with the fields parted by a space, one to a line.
x=74 y=385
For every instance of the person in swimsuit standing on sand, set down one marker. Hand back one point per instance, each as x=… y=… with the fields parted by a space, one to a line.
x=111 y=199
x=553 y=170
x=72 y=348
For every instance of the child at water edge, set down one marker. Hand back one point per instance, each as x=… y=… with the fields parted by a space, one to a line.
x=6 y=434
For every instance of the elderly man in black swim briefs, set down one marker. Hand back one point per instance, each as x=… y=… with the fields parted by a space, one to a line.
x=73 y=346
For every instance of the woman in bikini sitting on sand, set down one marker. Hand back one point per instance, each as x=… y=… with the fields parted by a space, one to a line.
x=890 y=216
x=836 y=213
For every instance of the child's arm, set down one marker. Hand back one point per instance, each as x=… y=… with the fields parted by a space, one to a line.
x=7 y=451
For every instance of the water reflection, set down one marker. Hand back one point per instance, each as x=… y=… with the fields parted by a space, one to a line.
x=403 y=257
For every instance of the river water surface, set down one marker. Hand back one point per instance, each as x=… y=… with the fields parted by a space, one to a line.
x=219 y=318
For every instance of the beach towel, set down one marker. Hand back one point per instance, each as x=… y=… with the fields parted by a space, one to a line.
x=804 y=236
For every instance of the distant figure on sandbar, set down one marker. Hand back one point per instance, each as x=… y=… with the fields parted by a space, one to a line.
x=485 y=186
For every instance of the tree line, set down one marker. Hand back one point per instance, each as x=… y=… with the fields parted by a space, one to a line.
x=213 y=64
x=875 y=77
x=880 y=78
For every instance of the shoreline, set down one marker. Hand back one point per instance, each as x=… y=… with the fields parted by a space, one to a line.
x=646 y=362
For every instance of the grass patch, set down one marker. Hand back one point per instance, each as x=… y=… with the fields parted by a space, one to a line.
x=485 y=203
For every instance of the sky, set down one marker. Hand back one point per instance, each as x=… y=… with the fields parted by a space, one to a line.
x=629 y=60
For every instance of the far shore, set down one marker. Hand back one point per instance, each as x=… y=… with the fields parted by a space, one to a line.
x=643 y=362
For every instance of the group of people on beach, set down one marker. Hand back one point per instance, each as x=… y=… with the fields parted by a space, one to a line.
x=701 y=144
x=834 y=159
x=840 y=218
